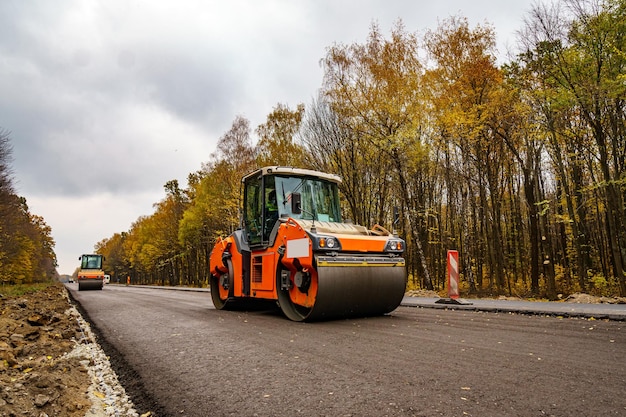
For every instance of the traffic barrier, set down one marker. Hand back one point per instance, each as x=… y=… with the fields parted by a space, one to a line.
x=453 y=281
x=453 y=274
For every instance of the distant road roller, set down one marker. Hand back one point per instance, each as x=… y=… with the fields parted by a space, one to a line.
x=90 y=274
x=294 y=248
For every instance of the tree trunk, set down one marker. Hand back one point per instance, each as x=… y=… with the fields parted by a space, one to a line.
x=410 y=218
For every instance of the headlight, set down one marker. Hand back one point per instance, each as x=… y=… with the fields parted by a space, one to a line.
x=395 y=245
x=327 y=243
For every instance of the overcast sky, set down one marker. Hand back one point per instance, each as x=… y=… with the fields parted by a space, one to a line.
x=107 y=100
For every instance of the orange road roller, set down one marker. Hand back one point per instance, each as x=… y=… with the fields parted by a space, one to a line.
x=90 y=274
x=294 y=248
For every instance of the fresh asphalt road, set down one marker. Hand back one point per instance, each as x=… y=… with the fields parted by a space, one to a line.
x=193 y=360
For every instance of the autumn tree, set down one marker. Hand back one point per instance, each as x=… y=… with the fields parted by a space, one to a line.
x=6 y=180
x=139 y=250
x=26 y=245
x=214 y=210
x=7 y=201
x=579 y=47
x=45 y=259
x=277 y=144
x=235 y=156
x=331 y=146
x=115 y=257
x=374 y=89
x=547 y=118
x=465 y=91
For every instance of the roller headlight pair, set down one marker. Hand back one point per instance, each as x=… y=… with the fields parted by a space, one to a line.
x=395 y=245
x=327 y=243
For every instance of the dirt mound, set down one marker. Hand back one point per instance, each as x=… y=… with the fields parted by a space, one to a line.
x=51 y=363
x=591 y=299
x=36 y=373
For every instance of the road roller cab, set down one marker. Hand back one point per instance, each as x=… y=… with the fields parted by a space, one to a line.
x=294 y=248
x=90 y=274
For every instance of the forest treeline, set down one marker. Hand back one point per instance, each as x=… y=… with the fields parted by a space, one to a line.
x=520 y=166
x=26 y=245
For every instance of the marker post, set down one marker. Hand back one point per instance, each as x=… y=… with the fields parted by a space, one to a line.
x=453 y=281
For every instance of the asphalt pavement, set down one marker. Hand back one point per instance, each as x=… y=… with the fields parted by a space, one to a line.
x=177 y=355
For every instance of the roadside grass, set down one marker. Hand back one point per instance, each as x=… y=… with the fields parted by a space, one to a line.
x=17 y=290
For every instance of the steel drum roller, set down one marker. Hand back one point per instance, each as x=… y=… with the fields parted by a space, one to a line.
x=89 y=285
x=357 y=286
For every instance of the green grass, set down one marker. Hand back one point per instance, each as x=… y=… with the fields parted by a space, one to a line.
x=17 y=290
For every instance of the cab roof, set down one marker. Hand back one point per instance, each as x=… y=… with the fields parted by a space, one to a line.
x=293 y=172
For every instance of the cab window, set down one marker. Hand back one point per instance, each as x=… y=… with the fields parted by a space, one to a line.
x=252 y=210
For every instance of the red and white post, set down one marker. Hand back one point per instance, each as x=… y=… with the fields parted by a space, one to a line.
x=453 y=274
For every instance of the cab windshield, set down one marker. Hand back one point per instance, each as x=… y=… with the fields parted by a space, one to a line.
x=268 y=198
x=319 y=198
x=91 y=262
